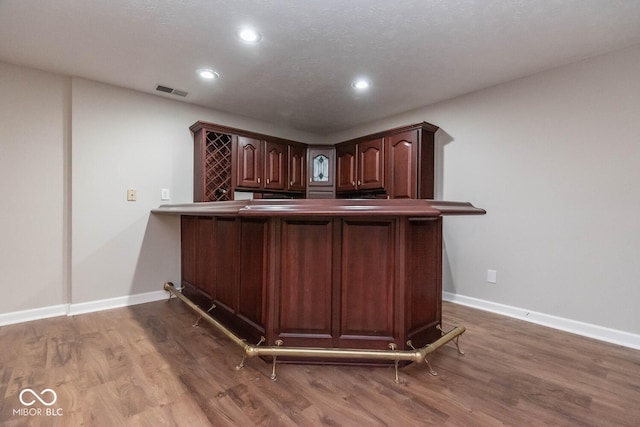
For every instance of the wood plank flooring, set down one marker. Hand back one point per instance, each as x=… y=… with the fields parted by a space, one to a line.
x=146 y=366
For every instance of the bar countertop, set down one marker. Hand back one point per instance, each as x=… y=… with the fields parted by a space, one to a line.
x=322 y=207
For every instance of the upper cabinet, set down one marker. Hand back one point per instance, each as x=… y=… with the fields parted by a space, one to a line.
x=271 y=164
x=227 y=160
x=360 y=165
x=398 y=163
x=410 y=154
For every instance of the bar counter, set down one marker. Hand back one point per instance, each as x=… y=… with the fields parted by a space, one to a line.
x=332 y=273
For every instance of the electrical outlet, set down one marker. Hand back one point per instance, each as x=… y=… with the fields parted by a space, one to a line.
x=492 y=276
x=131 y=195
x=164 y=194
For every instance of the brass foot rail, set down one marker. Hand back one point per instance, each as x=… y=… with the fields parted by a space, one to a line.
x=415 y=355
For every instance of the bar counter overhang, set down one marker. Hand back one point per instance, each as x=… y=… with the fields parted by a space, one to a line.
x=352 y=274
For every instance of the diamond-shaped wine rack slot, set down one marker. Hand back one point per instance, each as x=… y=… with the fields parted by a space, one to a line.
x=218 y=167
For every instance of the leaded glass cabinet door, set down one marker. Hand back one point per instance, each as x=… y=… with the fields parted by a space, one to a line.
x=321 y=172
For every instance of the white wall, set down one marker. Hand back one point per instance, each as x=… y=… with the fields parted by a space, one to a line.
x=33 y=128
x=555 y=160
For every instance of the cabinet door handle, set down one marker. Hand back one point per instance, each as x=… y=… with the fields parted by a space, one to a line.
x=268 y=180
x=291 y=183
x=258 y=180
x=353 y=183
x=359 y=183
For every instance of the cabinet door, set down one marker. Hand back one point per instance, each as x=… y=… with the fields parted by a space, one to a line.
x=250 y=161
x=346 y=167
x=297 y=163
x=275 y=166
x=402 y=165
x=370 y=165
x=322 y=171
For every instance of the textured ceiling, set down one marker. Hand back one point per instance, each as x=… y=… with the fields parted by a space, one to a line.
x=415 y=52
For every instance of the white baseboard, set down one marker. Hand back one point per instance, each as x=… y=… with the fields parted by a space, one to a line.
x=601 y=333
x=33 y=314
x=108 y=304
x=80 y=308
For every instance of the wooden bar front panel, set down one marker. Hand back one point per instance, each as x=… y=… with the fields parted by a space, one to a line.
x=423 y=281
x=366 y=296
x=226 y=261
x=198 y=254
x=251 y=291
x=189 y=250
x=304 y=302
x=357 y=282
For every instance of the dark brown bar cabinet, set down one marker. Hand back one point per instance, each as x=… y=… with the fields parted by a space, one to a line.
x=319 y=273
x=396 y=164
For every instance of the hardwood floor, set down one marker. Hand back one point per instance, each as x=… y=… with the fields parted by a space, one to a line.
x=146 y=366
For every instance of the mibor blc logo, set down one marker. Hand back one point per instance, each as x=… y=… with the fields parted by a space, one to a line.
x=29 y=398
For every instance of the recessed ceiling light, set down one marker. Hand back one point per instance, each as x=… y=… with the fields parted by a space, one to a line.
x=208 y=74
x=249 y=35
x=361 y=84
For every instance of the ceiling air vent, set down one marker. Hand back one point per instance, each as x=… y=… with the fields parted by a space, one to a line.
x=171 y=90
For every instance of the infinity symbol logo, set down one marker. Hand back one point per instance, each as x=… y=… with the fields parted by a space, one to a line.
x=36 y=396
